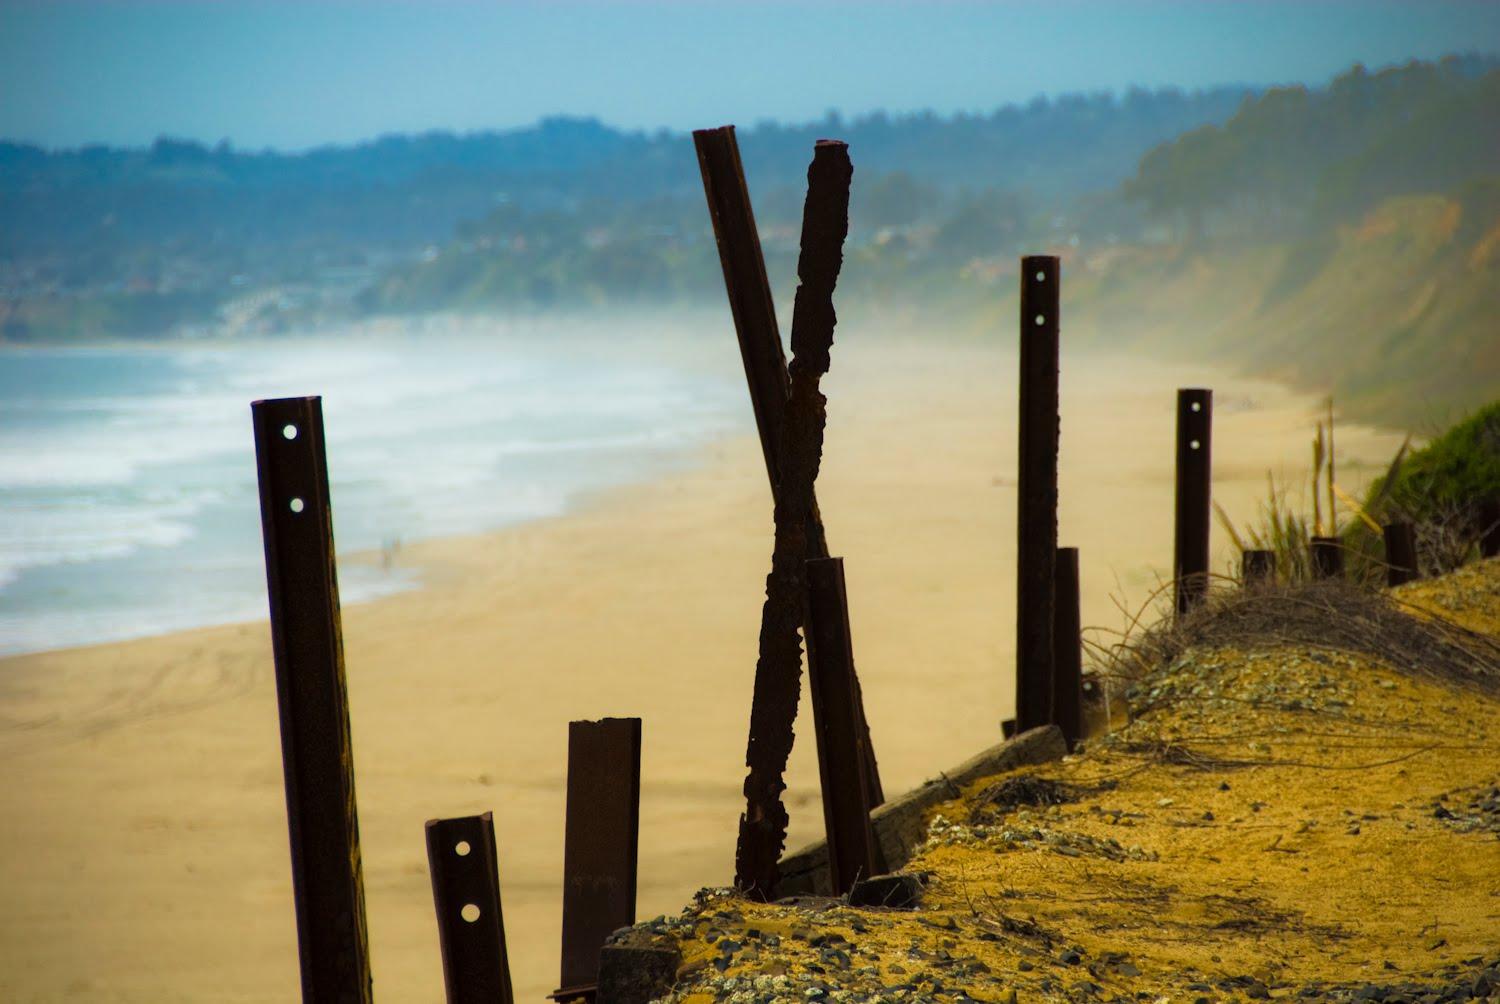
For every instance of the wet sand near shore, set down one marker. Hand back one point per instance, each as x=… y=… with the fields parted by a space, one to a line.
x=143 y=851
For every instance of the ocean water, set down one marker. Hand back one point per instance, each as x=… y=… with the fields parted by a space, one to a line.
x=128 y=499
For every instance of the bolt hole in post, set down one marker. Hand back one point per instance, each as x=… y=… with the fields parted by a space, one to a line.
x=1040 y=320
x=289 y=431
x=296 y=505
x=470 y=912
x=461 y=848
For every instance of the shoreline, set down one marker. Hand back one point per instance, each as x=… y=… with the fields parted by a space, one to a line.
x=686 y=460
x=143 y=801
x=106 y=510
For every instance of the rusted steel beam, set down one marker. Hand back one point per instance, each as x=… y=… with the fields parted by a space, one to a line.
x=754 y=312
x=1257 y=568
x=1067 y=648
x=1327 y=557
x=1036 y=507
x=749 y=289
x=599 y=850
x=307 y=645
x=778 y=670
x=1195 y=415
x=1400 y=553
x=466 y=892
x=1489 y=528
x=841 y=762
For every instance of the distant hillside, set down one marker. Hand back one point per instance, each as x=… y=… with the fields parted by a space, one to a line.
x=1396 y=312
x=104 y=242
x=1342 y=237
x=1345 y=240
x=411 y=190
x=1294 y=159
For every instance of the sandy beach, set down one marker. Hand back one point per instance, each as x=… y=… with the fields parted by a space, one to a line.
x=143 y=850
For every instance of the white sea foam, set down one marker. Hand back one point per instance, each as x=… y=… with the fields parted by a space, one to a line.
x=117 y=466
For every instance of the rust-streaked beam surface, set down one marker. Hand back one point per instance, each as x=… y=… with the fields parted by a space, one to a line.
x=599 y=845
x=316 y=753
x=754 y=311
x=462 y=858
x=778 y=670
x=1036 y=489
x=841 y=757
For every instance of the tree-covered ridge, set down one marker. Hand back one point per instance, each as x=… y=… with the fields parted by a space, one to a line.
x=1344 y=238
x=401 y=190
x=1293 y=159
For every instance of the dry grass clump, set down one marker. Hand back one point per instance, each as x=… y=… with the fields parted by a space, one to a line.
x=1327 y=614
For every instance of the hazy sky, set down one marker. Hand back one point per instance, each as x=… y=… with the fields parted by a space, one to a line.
x=298 y=74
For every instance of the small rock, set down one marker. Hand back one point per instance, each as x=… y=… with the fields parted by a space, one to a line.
x=901 y=891
x=638 y=970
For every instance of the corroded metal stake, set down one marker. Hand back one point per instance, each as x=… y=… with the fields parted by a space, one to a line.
x=316 y=754
x=1489 y=527
x=1400 y=553
x=1195 y=415
x=1257 y=568
x=599 y=850
x=778 y=671
x=1327 y=557
x=466 y=892
x=1036 y=489
x=852 y=853
x=754 y=313
x=1067 y=648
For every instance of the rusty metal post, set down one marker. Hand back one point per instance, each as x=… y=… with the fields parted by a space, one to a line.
x=466 y=891
x=778 y=665
x=749 y=289
x=852 y=850
x=1489 y=528
x=1195 y=409
x=1036 y=509
x=761 y=351
x=1400 y=553
x=1067 y=648
x=1327 y=558
x=1257 y=568
x=307 y=645
x=599 y=849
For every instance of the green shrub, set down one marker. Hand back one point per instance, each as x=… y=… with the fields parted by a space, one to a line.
x=1442 y=489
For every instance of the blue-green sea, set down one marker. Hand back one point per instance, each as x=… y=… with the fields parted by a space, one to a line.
x=128 y=502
